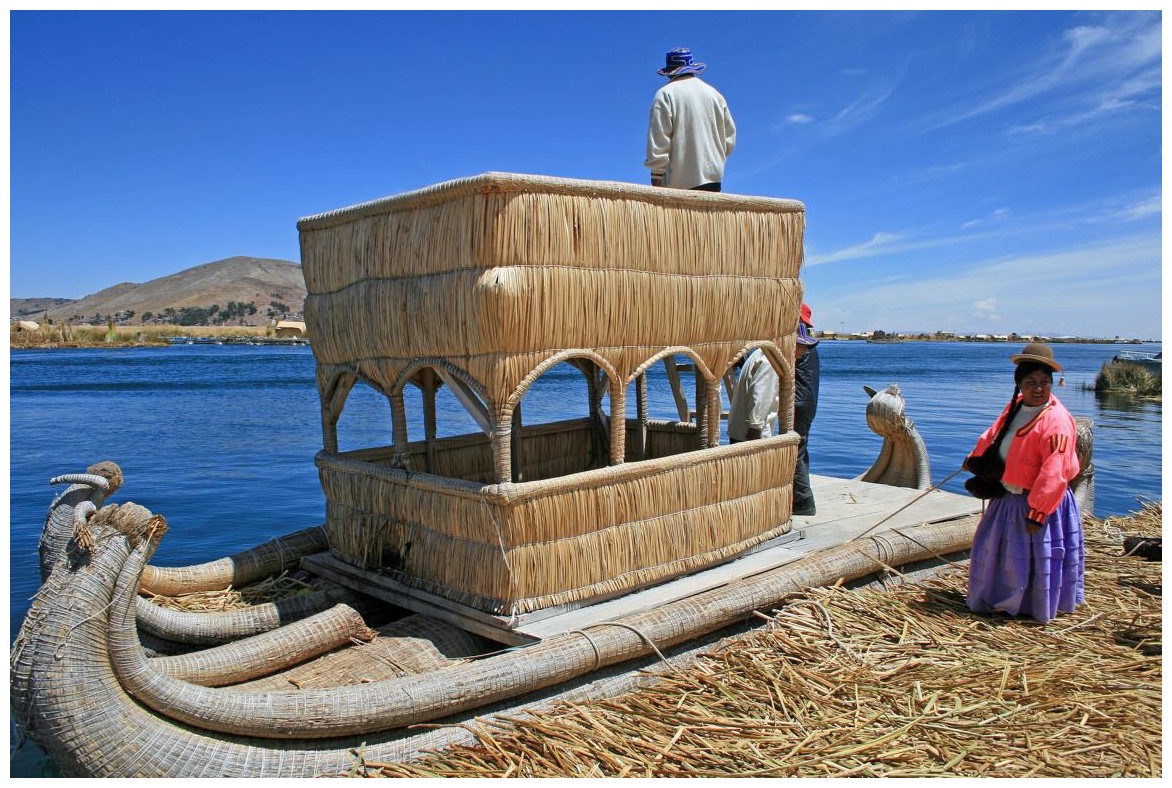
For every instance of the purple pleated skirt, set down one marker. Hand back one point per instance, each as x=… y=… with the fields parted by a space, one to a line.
x=1014 y=571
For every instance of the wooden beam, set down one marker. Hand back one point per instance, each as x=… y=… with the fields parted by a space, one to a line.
x=389 y=590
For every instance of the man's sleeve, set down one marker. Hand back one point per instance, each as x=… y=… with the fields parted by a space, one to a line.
x=659 y=131
x=730 y=132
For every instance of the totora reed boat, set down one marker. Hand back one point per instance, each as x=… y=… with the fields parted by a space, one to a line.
x=464 y=575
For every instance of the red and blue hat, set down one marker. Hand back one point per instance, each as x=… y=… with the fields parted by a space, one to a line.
x=804 y=336
x=680 y=62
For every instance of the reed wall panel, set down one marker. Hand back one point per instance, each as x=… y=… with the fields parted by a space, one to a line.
x=502 y=219
x=523 y=309
x=498 y=272
x=518 y=547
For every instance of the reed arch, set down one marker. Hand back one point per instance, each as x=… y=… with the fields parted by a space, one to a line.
x=334 y=394
x=783 y=365
x=648 y=438
x=607 y=434
x=428 y=374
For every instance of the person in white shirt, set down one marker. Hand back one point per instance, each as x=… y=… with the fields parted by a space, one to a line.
x=691 y=132
x=752 y=410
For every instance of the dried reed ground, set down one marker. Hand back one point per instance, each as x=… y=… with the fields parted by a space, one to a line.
x=894 y=683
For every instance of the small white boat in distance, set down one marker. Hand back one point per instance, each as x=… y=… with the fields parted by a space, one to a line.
x=1153 y=362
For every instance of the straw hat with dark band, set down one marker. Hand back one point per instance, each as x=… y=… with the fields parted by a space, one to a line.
x=1039 y=353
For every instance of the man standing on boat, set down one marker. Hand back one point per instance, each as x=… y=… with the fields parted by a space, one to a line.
x=691 y=132
x=752 y=410
x=807 y=370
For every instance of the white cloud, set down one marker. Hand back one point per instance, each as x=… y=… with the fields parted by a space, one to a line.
x=1001 y=214
x=985 y=308
x=1108 y=289
x=1001 y=225
x=862 y=106
x=1038 y=128
x=1098 y=71
x=1142 y=209
x=798 y=117
x=880 y=243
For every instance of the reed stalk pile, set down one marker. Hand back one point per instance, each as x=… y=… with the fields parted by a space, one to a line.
x=898 y=682
x=271 y=589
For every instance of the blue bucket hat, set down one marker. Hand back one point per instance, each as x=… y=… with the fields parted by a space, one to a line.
x=680 y=62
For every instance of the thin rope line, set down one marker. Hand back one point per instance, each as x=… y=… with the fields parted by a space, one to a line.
x=644 y=637
x=593 y=645
x=933 y=488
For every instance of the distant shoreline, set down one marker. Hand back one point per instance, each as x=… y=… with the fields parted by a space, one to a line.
x=62 y=337
x=258 y=338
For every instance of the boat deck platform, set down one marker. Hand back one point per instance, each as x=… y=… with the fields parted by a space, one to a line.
x=847 y=509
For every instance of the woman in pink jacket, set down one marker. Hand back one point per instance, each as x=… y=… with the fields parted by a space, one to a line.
x=1028 y=554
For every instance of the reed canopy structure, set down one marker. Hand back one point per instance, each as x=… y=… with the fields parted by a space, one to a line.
x=485 y=284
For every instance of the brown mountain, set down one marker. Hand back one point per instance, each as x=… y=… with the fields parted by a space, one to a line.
x=35 y=308
x=275 y=288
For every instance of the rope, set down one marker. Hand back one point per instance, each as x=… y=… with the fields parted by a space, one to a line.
x=931 y=489
x=500 y=537
x=593 y=645
x=642 y=636
x=921 y=544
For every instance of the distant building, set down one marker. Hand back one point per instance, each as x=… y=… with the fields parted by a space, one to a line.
x=289 y=329
x=27 y=325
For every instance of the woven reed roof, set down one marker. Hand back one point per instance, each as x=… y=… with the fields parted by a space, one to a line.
x=506 y=182
x=493 y=276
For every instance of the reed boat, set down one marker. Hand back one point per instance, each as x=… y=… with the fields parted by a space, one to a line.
x=460 y=575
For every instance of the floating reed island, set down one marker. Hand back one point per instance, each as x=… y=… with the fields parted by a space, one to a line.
x=461 y=574
x=891 y=680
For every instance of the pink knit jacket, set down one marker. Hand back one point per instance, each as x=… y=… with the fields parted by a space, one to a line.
x=1042 y=458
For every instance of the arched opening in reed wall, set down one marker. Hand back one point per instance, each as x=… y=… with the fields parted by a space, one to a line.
x=562 y=418
x=356 y=417
x=782 y=410
x=671 y=395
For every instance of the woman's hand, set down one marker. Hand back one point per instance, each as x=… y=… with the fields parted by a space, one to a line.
x=1033 y=526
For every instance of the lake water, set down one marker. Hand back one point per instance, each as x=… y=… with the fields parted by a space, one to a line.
x=221 y=439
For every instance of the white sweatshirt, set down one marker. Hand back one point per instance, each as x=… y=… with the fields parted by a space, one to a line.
x=690 y=135
x=754 y=398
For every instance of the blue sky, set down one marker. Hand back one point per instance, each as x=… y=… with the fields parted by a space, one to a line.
x=988 y=171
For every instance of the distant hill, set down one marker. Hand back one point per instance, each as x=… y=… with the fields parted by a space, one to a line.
x=34 y=308
x=246 y=291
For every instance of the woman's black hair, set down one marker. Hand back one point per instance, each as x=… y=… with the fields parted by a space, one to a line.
x=1030 y=367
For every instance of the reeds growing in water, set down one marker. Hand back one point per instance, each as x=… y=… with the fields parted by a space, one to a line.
x=1127 y=378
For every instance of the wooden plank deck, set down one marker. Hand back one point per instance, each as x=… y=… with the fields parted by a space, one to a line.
x=847 y=509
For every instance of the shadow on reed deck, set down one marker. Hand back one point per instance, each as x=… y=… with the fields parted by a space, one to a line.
x=847 y=509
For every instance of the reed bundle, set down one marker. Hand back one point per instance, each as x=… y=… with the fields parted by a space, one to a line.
x=409 y=646
x=270 y=589
x=901 y=682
